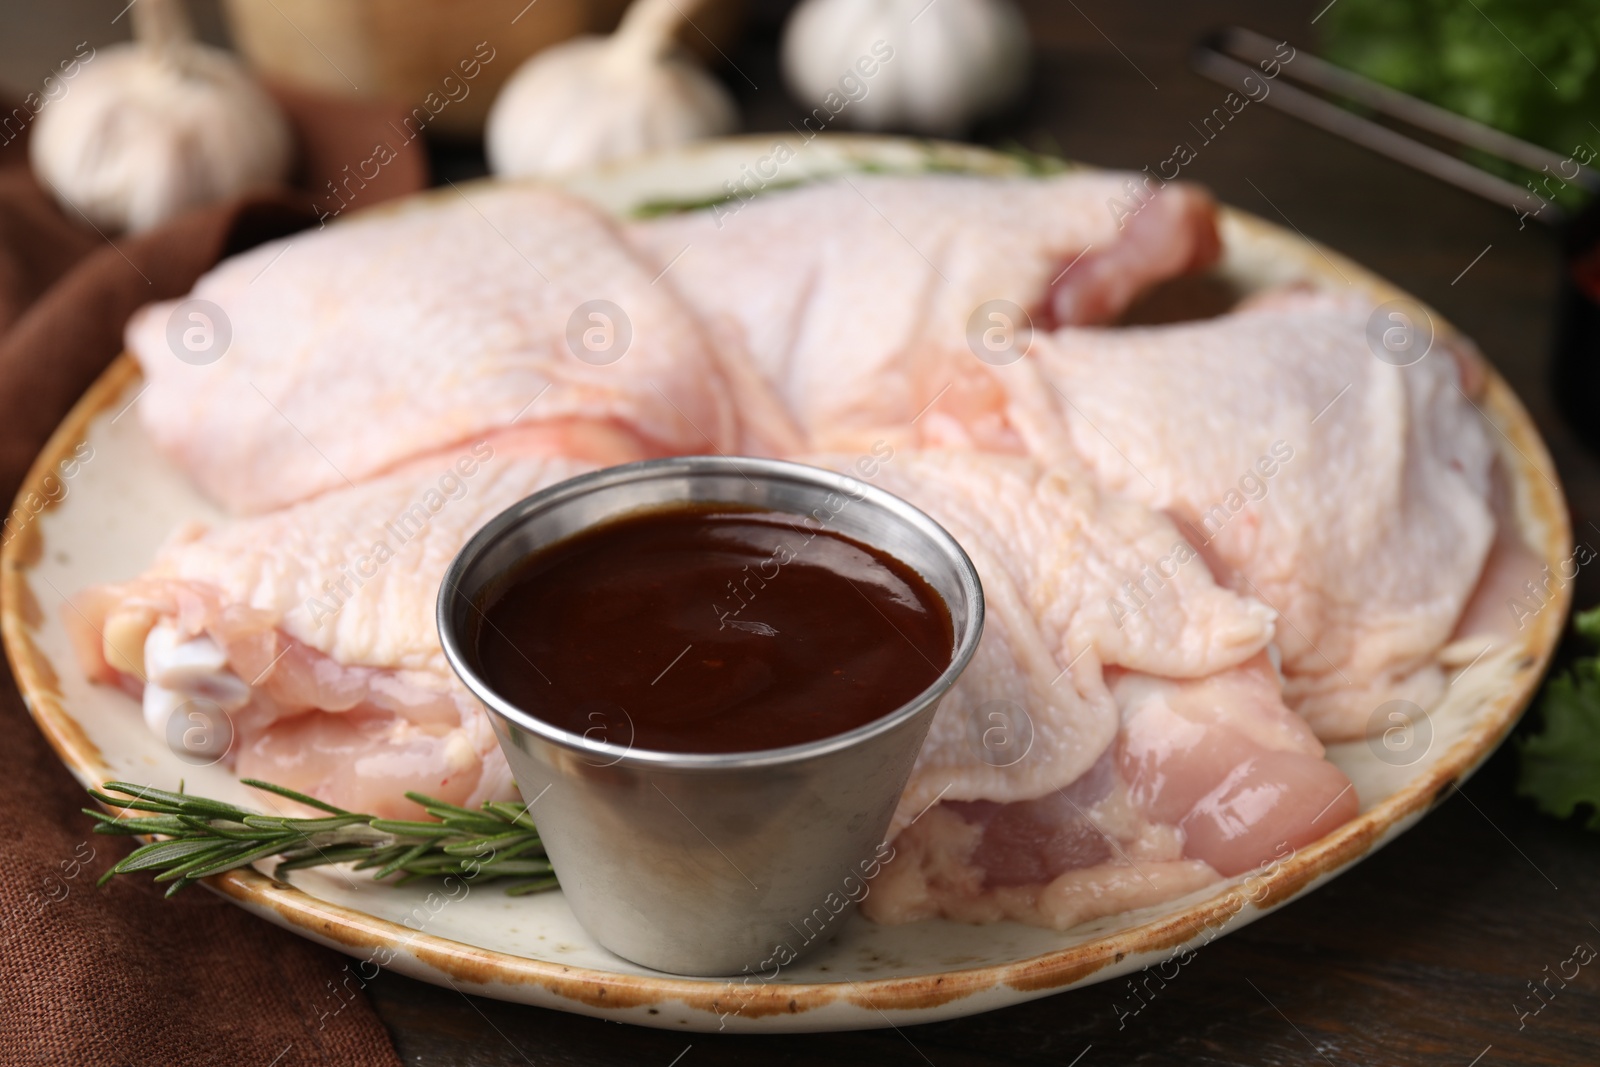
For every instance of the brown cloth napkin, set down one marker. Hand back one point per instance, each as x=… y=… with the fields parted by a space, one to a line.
x=119 y=975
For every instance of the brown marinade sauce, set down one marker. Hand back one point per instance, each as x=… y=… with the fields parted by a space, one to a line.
x=711 y=628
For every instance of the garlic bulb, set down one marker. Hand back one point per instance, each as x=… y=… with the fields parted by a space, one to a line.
x=905 y=64
x=153 y=128
x=595 y=99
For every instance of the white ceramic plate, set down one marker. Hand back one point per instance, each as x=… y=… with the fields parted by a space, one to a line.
x=121 y=503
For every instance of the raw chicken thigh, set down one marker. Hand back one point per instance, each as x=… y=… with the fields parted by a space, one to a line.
x=400 y=332
x=1350 y=494
x=312 y=629
x=1087 y=762
x=852 y=297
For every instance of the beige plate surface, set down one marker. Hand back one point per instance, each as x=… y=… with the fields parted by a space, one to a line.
x=121 y=503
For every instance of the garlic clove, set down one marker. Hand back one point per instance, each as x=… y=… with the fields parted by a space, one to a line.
x=905 y=64
x=158 y=127
x=593 y=100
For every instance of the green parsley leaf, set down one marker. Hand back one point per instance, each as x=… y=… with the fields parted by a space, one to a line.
x=1531 y=69
x=1561 y=766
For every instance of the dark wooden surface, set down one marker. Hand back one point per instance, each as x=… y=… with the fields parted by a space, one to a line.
x=1420 y=955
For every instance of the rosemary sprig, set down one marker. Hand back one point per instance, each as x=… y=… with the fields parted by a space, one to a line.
x=201 y=837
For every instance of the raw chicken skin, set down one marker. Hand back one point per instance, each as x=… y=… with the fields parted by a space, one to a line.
x=1051 y=550
x=394 y=334
x=1349 y=494
x=313 y=629
x=852 y=297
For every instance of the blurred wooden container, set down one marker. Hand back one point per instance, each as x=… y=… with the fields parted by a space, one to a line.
x=404 y=49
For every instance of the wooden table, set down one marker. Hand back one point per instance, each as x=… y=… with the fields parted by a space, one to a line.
x=1420 y=955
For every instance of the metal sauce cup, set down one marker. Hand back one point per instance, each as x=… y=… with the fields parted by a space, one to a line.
x=711 y=864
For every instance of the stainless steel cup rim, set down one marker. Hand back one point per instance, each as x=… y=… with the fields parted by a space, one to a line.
x=749 y=468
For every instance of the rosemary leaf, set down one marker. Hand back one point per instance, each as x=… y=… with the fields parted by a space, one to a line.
x=161 y=854
x=322 y=857
x=533 y=842
x=298 y=798
x=238 y=859
x=476 y=846
x=500 y=868
x=303 y=826
x=423 y=829
x=505 y=809
x=170 y=825
x=236 y=831
x=410 y=855
x=148 y=798
x=201 y=860
x=440 y=808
